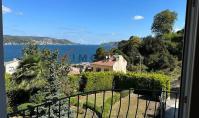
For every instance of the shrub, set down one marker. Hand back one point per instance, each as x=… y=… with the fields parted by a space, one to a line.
x=108 y=80
x=98 y=80
x=74 y=81
x=69 y=85
x=25 y=106
x=148 y=81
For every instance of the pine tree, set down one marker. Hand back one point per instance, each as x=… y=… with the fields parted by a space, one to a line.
x=51 y=90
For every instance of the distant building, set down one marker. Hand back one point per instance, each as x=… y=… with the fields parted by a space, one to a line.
x=74 y=71
x=11 y=66
x=112 y=63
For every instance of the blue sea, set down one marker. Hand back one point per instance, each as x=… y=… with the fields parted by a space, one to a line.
x=76 y=53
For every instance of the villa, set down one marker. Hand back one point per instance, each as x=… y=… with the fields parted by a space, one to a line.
x=112 y=63
x=11 y=66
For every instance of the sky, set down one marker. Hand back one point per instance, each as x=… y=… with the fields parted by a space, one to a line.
x=86 y=21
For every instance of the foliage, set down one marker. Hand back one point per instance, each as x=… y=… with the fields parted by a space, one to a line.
x=136 y=68
x=25 y=106
x=100 y=54
x=98 y=80
x=148 y=81
x=8 y=78
x=163 y=22
x=54 y=70
x=69 y=85
x=129 y=49
x=151 y=45
x=108 y=80
x=174 y=43
x=157 y=57
x=38 y=79
x=160 y=61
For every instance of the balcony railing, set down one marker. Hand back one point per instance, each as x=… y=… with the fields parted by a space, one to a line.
x=111 y=103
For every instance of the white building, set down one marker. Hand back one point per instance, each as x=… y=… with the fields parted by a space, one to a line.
x=114 y=63
x=11 y=66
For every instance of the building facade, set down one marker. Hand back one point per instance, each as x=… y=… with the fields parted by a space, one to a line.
x=11 y=66
x=114 y=63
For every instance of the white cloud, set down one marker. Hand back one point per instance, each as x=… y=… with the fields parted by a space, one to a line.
x=6 y=9
x=138 y=17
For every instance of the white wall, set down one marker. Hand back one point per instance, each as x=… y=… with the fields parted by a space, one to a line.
x=10 y=67
x=120 y=64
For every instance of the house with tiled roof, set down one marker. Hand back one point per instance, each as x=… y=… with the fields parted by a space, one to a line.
x=11 y=66
x=114 y=63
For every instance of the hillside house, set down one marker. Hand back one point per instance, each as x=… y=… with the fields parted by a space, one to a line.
x=11 y=66
x=114 y=63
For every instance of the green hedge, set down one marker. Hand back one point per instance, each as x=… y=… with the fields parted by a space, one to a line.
x=74 y=81
x=106 y=80
x=98 y=80
x=148 y=81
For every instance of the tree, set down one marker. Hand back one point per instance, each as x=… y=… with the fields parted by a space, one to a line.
x=151 y=45
x=157 y=56
x=54 y=71
x=100 y=54
x=163 y=22
x=37 y=80
x=26 y=80
x=130 y=48
x=135 y=40
x=160 y=61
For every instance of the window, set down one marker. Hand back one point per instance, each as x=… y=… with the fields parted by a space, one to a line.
x=98 y=69
x=106 y=69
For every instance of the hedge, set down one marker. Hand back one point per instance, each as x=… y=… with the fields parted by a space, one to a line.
x=108 y=80
x=98 y=80
x=144 y=81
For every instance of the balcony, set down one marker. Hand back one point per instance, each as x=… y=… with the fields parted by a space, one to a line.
x=107 y=104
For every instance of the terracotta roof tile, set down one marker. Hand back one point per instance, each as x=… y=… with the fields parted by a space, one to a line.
x=109 y=62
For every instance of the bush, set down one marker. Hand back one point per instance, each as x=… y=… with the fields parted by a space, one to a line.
x=108 y=80
x=25 y=106
x=8 y=80
x=98 y=80
x=69 y=85
x=148 y=81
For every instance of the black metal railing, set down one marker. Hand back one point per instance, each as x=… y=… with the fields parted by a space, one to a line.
x=109 y=103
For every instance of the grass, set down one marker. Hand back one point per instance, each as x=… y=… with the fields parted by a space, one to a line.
x=115 y=108
x=91 y=101
x=132 y=107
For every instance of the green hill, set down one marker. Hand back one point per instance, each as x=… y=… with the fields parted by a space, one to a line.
x=12 y=40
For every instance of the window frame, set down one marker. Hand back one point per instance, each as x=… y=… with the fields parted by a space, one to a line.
x=189 y=53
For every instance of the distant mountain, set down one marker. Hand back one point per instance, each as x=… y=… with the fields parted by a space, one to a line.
x=111 y=44
x=14 y=40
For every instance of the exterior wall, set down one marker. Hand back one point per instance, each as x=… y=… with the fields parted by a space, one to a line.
x=10 y=67
x=120 y=65
x=95 y=67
